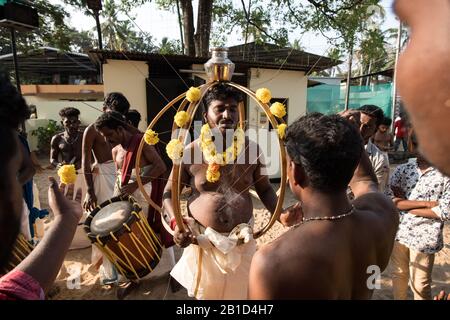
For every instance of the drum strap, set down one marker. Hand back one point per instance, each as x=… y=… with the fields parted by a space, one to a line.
x=130 y=158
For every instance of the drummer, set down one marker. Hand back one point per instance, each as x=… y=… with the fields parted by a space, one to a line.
x=114 y=128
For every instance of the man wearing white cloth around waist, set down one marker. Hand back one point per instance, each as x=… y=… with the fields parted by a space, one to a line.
x=218 y=238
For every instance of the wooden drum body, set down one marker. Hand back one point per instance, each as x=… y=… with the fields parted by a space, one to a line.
x=120 y=230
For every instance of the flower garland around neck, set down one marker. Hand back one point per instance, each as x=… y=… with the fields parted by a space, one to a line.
x=217 y=159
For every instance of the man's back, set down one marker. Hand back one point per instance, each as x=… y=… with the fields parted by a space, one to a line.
x=329 y=259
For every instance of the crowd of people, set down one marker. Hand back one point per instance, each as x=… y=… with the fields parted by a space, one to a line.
x=352 y=211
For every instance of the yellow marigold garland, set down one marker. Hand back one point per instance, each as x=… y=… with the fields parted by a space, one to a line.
x=151 y=137
x=282 y=130
x=175 y=149
x=278 y=109
x=215 y=159
x=181 y=118
x=263 y=95
x=193 y=94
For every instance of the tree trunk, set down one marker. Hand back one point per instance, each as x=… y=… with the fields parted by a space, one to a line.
x=203 y=31
x=188 y=27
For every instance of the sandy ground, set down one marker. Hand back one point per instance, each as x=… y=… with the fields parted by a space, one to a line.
x=157 y=285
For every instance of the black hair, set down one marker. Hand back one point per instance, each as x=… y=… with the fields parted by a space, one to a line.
x=13 y=108
x=111 y=120
x=222 y=91
x=116 y=101
x=328 y=147
x=373 y=111
x=69 y=112
x=386 y=121
x=134 y=117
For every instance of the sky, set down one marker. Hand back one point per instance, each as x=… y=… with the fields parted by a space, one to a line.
x=160 y=23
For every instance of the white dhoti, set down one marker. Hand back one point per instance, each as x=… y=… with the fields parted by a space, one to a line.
x=218 y=268
x=104 y=176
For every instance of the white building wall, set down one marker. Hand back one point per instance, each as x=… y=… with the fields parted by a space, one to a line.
x=128 y=77
x=283 y=84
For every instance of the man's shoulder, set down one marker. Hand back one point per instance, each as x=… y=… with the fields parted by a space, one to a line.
x=57 y=136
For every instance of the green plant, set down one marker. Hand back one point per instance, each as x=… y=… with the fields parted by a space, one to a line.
x=45 y=134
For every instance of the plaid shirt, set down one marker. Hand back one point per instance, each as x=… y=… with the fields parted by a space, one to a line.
x=17 y=285
x=419 y=233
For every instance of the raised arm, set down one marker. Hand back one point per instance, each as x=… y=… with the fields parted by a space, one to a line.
x=364 y=179
x=44 y=262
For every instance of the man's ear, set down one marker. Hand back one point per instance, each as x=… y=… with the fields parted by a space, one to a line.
x=298 y=174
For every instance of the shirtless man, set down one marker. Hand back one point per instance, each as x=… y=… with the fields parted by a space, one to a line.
x=217 y=209
x=100 y=177
x=327 y=255
x=383 y=139
x=67 y=144
x=114 y=128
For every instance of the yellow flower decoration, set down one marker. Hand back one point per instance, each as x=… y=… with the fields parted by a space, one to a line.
x=278 y=109
x=151 y=137
x=263 y=95
x=67 y=174
x=205 y=133
x=175 y=149
x=193 y=94
x=282 y=130
x=213 y=173
x=181 y=118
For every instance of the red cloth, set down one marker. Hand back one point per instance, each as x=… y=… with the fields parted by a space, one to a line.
x=400 y=129
x=130 y=158
x=17 y=285
x=154 y=217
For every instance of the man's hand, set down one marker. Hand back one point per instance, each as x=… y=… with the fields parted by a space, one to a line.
x=442 y=296
x=292 y=215
x=183 y=239
x=398 y=192
x=354 y=116
x=90 y=201
x=432 y=204
x=62 y=206
x=128 y=189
